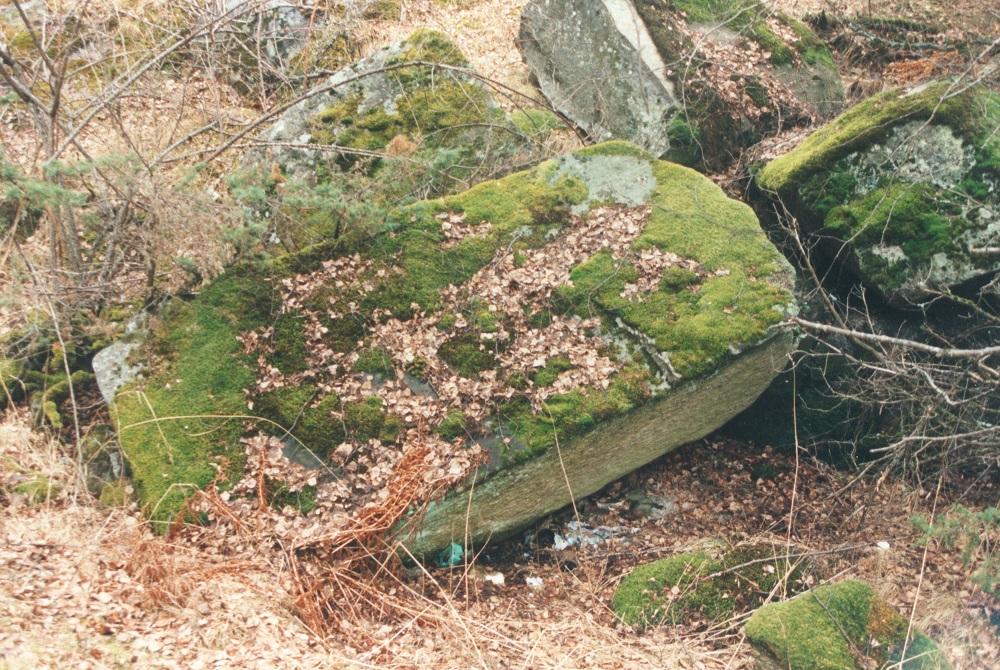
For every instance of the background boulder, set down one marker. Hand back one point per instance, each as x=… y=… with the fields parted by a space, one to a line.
x=408 y=122
x=905 y=185
x=689 y=80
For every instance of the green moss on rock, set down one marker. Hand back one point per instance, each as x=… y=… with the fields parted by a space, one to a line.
x=548 y=374
x=907 y=179
x=423 y=104
x=467 y=355
x=116 y=494
x=36 y=489
x=708 y=586
x=374 y=361
x=870 y=121
x=920 y=219
x=315 y=423
x=825 y=627
x=453 y=426
x=364 y=420
x=536 y=123
x=180 y=427
x=736 y=300
x=183 y=422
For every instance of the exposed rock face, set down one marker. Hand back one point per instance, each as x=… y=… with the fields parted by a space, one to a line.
x=907 y=182
x=112 y=369
x=597 y=64
x=571 y=322
x=689 y=80
x=827 y=628
x=277 y=26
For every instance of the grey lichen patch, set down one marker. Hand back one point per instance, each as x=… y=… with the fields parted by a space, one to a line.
x=627 y=180
x=917 y=152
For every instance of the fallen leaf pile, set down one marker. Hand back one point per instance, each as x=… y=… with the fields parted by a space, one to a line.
x=729 y=66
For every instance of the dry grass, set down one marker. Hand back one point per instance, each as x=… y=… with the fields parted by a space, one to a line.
x=91 y=587
x=485 y=31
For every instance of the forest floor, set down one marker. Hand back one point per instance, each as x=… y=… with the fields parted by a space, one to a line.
x=82 y=585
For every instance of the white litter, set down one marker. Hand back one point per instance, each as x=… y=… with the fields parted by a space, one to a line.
x=496 y=578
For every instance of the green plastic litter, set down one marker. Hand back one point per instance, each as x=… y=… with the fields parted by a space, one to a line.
x=450 y=556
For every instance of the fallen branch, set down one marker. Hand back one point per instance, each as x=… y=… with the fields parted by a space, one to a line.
x=941 y=352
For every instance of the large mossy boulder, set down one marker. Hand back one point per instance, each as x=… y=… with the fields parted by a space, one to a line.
x=906 y=184
x=842 y=626
x=708 y=585
x=409 y=122
x=555 y=329
x=694 y=81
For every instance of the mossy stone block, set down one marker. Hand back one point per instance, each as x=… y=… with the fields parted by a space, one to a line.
x=836 y=626
x=907 y=182
x=37 y=489
x=709 y=585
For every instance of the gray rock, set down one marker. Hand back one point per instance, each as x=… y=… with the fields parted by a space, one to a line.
x=662 y=272
x=112 y=369
x=641 y=70
x=275 y=31
x=597 y=64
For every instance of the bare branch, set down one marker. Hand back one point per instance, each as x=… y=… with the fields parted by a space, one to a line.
x=942 y=352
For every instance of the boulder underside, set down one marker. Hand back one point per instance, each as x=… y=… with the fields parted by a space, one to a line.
x=511 y=500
